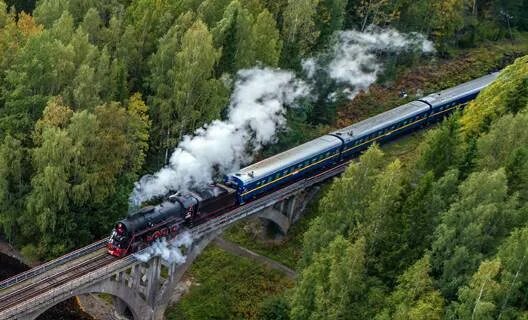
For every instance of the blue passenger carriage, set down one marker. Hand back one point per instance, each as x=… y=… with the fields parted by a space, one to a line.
x=285 y=167
x=382 y=127
x=443 y=102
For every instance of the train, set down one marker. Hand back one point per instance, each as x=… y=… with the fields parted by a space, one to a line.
x=187 y=209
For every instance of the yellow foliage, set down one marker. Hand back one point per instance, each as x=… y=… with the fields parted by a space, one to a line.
x=27 y=26
x=55 y=115
x=493 y=101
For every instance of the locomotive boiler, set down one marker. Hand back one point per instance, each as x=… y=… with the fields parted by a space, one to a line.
x=167 y=219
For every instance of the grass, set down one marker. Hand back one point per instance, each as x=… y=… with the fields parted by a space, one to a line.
x=286 y=251
x=227 y=287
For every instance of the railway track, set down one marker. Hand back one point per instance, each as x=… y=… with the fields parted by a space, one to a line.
x=17 y=295
x=38 y=270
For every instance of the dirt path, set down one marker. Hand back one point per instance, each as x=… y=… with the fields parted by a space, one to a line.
x=243 y=252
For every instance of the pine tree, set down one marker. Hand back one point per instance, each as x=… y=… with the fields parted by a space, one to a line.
x=266 y=39
x=442 y=148
x=234 y=35
x=330 y=18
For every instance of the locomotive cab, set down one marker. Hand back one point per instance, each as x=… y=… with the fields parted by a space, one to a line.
x=188 y=203
x=119 y=240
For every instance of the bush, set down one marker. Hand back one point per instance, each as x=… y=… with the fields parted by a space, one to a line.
x=274 y=308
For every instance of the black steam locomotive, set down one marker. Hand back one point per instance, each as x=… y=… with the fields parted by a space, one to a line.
x=304 y=161
x=168 y=218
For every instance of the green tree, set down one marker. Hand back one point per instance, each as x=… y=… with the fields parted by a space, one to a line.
x=13 y=185
x=185 y=93
x=138 y=132
x=442 y=148
x=517 y=172
x=506 y=135
x=496 y=99
x=421 y=214
x=93 y=25
x=48 y=11
x=86 y=88
x=365 y=202
x=414 y=297
x=212 y=11
x=48 y=201
x=299 y=30
x=513 y=255
x=275 y=308
x=335 y=285
x=498 y=289
x=330 y=18
x=376 y=12
x=478 y=299
x=447 y=17
x=343 y=203
x=267 y=43
x=470 y=230
x=234 y=35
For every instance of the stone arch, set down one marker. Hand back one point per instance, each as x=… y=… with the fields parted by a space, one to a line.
x=135 y=303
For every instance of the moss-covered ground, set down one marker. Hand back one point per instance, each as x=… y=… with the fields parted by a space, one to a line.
x=227 y=287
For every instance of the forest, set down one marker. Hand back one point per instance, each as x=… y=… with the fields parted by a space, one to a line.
x=96 y=93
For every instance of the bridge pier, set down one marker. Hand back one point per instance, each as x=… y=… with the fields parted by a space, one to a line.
x=121 y=310
x=285 y=213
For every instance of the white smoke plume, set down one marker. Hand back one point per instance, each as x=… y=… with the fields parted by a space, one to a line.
x=257 y=108
x=355 y=60
x=170 y=251
x=255 y=114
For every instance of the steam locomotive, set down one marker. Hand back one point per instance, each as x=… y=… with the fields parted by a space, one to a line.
x=192 y=208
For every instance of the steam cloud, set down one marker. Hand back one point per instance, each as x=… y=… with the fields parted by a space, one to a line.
x=169 y=251
x=257 y=108
x=354 y=59
x=255 y=114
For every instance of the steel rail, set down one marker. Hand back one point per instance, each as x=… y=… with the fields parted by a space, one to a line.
x=45 y=286
x=33 y=272
x=51 y=277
